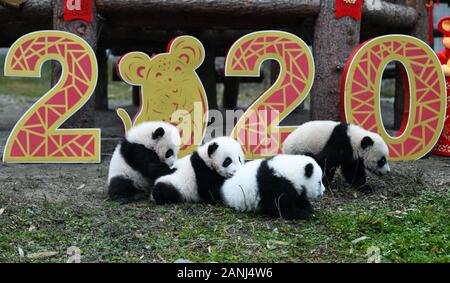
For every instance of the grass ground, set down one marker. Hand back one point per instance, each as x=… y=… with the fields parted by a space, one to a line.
x=409 y=228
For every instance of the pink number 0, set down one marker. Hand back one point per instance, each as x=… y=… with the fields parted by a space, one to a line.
x=425 y=93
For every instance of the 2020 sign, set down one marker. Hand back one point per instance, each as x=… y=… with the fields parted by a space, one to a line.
x=36 y=137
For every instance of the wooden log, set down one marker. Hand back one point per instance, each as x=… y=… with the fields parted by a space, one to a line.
x=30 y=9
x=12 y=3
x=83 y=118
x=230 y=92
x=156 y=15
x=101 y=91
x=330 y=55
x=283 y=8
x=388 y=14
x=379 y=12
x=33 y=15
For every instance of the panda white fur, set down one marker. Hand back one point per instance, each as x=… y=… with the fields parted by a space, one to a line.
x=336 y=144
x=199 y=176
x=281 y=186
x=146 y=153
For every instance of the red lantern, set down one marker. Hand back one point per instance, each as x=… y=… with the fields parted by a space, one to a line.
x=443 y=145
x=351 y=8
x=78 y=10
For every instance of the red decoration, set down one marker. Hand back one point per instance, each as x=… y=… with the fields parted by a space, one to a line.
x=430 y=23
x=443 y=145
x=78 y=10
x=350 y=8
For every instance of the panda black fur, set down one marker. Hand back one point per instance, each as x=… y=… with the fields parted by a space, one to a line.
x=281 y=186
x=199 y=176
x=146 y=152
x=335 y=144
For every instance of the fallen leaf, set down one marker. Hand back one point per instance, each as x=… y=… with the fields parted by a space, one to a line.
x=2 y=210
x=32 y=228
x=360 y=239
x=377 y=221
x=383 y=197
x=182 y=260
x=39 y=255
x=280 y=243
x=269 y=246
x=81 y=187
x=21 y=253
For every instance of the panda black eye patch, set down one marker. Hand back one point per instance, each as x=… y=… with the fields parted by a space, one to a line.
x=169 y=153
x=309 y=168
x=381 y=162
x=227 y=162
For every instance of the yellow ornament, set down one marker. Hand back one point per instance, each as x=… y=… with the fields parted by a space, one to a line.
x=171 y=90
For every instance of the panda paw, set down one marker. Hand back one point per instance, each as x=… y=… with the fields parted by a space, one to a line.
x=165 y=194
x=304 y=213
x=365 y=189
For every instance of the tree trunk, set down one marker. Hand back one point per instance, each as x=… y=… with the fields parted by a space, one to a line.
x=230 y=92
x=207 y=74
x=83 y=118
x=101 y=91
x=334 y=40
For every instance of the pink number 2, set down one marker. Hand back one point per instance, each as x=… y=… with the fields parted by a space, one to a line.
x=36 y=137
x=257 y=130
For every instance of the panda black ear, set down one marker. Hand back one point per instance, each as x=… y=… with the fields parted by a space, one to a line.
x=212 y=148
x=158 y=133
x=366 y=142
x=309 y=169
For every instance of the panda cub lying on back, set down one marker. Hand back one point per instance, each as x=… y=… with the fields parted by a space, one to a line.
x=199 y=176
x=281 y=186
x=335 y=144
x=144 y=155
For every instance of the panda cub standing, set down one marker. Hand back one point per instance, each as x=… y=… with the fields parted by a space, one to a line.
x=281 y=186
x=146 y=153
x=335 y=144
x=199 y=176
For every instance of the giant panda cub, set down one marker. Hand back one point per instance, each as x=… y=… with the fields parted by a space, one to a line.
x=281 y=186
x=146 y=153
x=199 y=176
x=335 y=144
